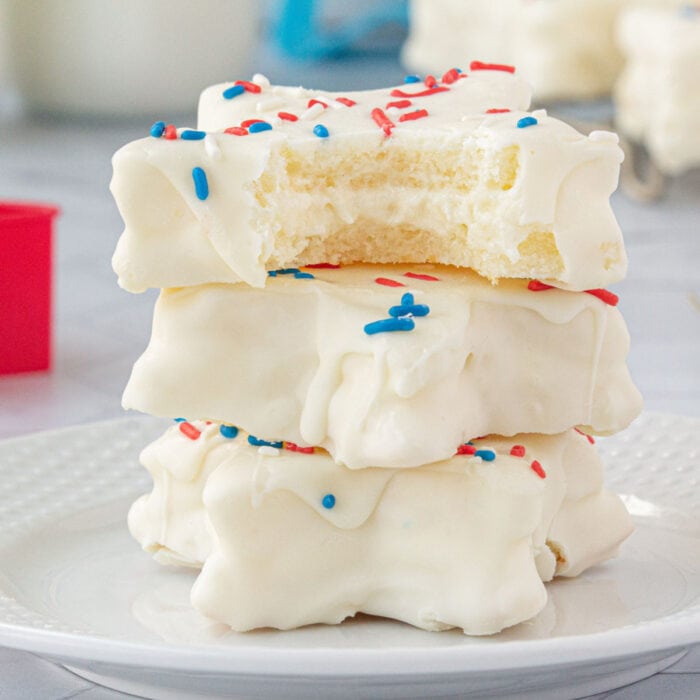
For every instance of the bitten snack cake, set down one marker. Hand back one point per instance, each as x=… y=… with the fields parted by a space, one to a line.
x=384 y=335
x=657 y=98
x=451 y=170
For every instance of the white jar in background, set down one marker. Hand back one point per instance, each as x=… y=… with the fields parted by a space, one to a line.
x=123 y=57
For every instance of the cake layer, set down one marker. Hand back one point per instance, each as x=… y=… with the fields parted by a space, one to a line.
x=451 y=171
x=386 y=366
x=658 y=95
x=566 y=49
x=289 y=539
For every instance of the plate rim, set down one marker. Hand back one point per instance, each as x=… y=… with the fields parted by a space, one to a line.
x=665 y=634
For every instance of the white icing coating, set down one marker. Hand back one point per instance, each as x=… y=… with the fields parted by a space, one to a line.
x=458 y=186
x=565 y=48
x=293 y=362
x=472 y=555
x=658 y=95
x=179 y=532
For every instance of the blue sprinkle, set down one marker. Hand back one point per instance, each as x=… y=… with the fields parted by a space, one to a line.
x=157 y=129
x=387 y=325
x=486 y=455
x=201 y=186
x=256 y=127
x=192 y=135
x=228 y=431
x=412 y=309
x=407 y=299
x=328 y=501
x=321 y=131
x=235 y=91
x=179 y=420
x=298 y=274
x=526 y=121
x=411 y=79
x=257 y=442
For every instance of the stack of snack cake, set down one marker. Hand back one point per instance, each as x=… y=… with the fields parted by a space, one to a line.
x=384 y=337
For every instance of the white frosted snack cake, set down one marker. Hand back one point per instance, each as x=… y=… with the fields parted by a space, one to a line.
x=451 y=170
x=387 y=366
x=657 y=98
x=565 y=48
x=287 y=537
x=354 y=286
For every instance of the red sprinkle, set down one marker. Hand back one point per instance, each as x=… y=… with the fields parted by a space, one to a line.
x=323 y=266
x=170 y=132
x=430 y=81
x=451 y=76
x=346 y=101
x=248 y=122
x=236 y=131
x=537 y=468
x=605 y=296
x=389 y=283
x=293 y=447
x=496 y=110
x=466 y=450
x=189 y=430
x=288 y=116
x=410 y=116
x=313 y=101
x=418 y=276
x=248 y=86
x=382 y=121
x=397 y=92
x=586 y=435
x=537 y=286
x=518 y=450
x=399 y=104
x=478 y=65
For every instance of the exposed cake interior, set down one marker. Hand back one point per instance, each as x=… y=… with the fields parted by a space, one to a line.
x=399 y=205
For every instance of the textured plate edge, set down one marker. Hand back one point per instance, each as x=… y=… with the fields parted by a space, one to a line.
x=663 y=634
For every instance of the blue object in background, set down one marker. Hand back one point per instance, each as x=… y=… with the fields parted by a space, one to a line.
x=318 y=29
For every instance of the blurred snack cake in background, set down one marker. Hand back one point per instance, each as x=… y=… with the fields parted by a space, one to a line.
x=657 y=98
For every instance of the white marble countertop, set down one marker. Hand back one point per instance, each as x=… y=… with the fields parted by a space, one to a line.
x=100 y=330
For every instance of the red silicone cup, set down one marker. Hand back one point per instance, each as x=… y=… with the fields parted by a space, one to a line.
x=25 y=286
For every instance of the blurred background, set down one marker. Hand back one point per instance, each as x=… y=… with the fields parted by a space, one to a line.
x=79 y=78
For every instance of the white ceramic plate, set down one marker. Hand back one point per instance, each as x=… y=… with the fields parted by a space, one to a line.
x=76 y=589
